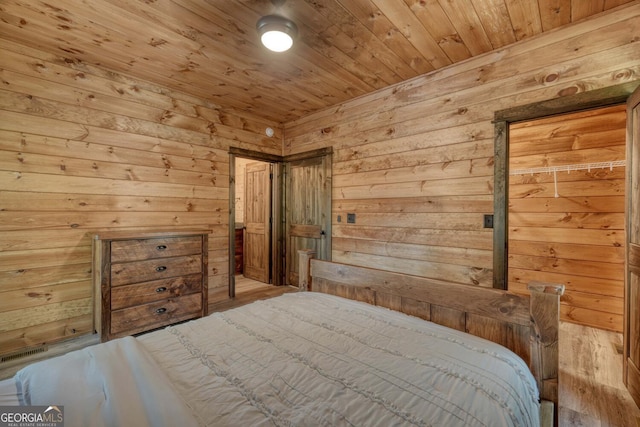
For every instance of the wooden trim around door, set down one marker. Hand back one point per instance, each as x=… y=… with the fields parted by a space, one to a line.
x=277 y=273
x=612 y=95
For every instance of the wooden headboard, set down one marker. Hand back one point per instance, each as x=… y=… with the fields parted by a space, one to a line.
x=527 y=325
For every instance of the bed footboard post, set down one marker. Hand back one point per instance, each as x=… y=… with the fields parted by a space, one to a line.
x=545 y=324
x=304 y=268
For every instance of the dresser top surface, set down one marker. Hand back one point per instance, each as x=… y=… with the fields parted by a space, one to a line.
x=127 y=235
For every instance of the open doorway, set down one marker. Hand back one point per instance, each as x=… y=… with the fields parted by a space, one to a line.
x=252 y=230
x=288 y=209
x=255 y=230
x=566 y=211
x=574 y=400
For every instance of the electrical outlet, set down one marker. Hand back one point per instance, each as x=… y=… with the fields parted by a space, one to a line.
x=488 y=221
x=351 y=218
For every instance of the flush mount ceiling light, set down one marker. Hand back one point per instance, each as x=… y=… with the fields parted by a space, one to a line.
x=276 y=32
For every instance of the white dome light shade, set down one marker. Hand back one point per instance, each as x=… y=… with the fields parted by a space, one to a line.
x=276 y=32
x=277 y=41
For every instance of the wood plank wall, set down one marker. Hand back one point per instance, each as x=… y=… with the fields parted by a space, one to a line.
x=415 y=161
x=575 y=238
x=85 y=150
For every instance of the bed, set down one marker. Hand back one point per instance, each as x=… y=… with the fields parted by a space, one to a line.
x=318 y=358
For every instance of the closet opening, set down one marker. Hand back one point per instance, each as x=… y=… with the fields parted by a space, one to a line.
x=557 y=218
x=566 y=211
x=559 y=147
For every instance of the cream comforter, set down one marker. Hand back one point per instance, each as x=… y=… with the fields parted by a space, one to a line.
x=111 y=384
x=303 y=359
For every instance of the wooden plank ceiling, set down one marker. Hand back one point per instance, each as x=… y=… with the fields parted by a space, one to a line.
x=345 y=48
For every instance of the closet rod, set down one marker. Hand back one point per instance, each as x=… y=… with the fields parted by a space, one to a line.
x=569 y=168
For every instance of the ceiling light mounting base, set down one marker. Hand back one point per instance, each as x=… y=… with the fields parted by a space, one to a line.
x=276 y=32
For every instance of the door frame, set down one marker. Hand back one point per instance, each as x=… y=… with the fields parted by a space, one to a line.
x=631 y=377
x=604 y=97
x=278 y=248
x=276 y=213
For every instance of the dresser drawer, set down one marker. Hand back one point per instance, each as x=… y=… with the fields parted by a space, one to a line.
x=155 y=290
x=139 y=249
x=161 y=268
x=156 y=314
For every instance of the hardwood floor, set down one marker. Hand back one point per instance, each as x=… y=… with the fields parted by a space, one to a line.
x=591 y=390
x=247 y=291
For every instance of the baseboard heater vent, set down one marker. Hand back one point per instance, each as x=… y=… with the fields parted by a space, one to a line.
x=21 y=354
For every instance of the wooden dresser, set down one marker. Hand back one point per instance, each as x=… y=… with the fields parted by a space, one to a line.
x=147 y=280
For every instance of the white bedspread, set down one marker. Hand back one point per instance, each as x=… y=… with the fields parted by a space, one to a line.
x=111 y=384
x=309 y=359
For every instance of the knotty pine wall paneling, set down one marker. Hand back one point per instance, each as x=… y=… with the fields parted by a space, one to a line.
x=574 y=238
x=84 y=150
x=415 y=161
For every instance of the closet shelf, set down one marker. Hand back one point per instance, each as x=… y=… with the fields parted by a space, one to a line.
x=569 y=168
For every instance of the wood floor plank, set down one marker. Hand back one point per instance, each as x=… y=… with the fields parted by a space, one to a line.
x=247 y=291
x=591 y=389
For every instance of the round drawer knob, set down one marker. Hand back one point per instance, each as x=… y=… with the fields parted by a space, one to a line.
x=161 y=247
x=161 y=289
x=161 y=268
x=161 y=310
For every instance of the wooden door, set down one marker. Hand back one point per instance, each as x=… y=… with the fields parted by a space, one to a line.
x=307 y=211
x=257 y=221
x=632 y=288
